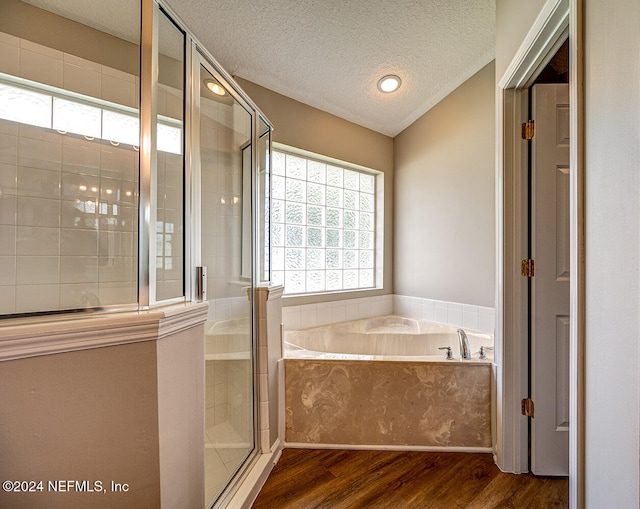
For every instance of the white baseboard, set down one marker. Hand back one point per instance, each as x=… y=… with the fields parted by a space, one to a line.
x=247 y=493
x=417 y=448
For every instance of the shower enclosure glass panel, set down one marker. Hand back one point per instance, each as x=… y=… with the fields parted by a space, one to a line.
x=263 y=192
x=225 y=132
x=69 y=156
x=170 y=162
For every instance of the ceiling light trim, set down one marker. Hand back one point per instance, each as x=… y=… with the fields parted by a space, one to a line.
x=215 y=87
x=389 y=83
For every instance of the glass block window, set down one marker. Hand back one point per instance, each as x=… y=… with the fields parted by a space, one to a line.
x=322 y=225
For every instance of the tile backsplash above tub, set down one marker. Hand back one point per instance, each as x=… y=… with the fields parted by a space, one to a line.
x=305 y=316
x=325 y=313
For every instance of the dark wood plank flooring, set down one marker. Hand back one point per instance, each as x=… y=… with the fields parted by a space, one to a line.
x=338 y=479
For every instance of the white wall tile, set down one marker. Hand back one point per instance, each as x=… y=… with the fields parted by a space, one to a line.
x=78 y=269
x=118 y=90
x=7 y=270
x=80 y=155
x=442 y=312
x=470 y=317
x=386 y=302
x=223 y=309
x=8 y=149
x=264 y=415
x=486 y=320
x=402 y=306
x=118 y=162
x=40 y=49
x=364 y=307
x=82 y=76
x=45 y=155
x=7 y=299
x=291 y=317
x=395 y=300
x=211 y=314
x=9 y=127
x=429 y=309
x=9 y=57
x=8 y=209
x=77 y=215
x=78 y=296
x=122 y=218
x=31 y=298
x=240 y=306
x=38 y=133
x=174 y=103
x=30 y=162
x=37 y=270
x=117 y=73
x=7 y=240
x=78 y=186
x=117 y=293
x=32 y=240
x=115 y=269
x=416 y=306
x=486 y=310
x=8 y=180
x=308 y=316
x=325 y=313
x=338 y=312
x=381 y=305
x=351 y=310
x=11 y=40
x=454 y=314
x=41 y=66
x=38 y=183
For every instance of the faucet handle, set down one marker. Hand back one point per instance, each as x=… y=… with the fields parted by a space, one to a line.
x=483 y=351
x=449 y=352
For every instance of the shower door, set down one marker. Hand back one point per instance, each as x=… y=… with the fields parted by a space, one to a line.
x=222 y=175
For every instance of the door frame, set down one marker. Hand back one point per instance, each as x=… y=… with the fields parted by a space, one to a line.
x=557 y=20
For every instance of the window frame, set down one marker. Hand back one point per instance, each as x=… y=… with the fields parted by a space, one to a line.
x=377 y=227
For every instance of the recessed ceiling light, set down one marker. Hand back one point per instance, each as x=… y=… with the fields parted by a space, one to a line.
x=389 y=83
x=215 y=87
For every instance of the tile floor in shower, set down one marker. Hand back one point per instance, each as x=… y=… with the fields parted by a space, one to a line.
x=225 y=450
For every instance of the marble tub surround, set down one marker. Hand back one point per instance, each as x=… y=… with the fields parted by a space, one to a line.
x=393 y=404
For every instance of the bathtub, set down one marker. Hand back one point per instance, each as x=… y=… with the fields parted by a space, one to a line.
x=383 y=338
x=382 y=383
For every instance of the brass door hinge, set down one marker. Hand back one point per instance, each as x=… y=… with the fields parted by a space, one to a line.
x=528 y=268
x=527 y=407
x=528 y=130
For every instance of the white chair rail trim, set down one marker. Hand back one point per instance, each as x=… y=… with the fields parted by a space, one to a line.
x=23 y=338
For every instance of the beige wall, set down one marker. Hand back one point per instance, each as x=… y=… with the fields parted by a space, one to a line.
x=181 y=399
x=301 y=126
x=43 y=27
x=612 y=237
x=85 y=415
x=444 y=198
x=513 y=20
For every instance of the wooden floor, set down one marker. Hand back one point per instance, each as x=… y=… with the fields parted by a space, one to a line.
x=331 y=479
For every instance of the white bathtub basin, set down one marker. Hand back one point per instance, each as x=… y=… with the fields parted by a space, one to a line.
x=383 y=338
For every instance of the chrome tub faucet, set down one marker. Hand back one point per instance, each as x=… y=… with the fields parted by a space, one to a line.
x=465 y=351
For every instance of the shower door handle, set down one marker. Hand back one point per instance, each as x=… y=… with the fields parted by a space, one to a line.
x=201 y=284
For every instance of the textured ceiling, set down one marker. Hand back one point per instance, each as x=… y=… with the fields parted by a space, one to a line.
x=331 y=53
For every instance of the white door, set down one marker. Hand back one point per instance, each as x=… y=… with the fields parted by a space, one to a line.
x=550 y=284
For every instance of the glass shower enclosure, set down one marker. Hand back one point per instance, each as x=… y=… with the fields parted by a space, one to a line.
x=223 y=186
x=134 y=175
